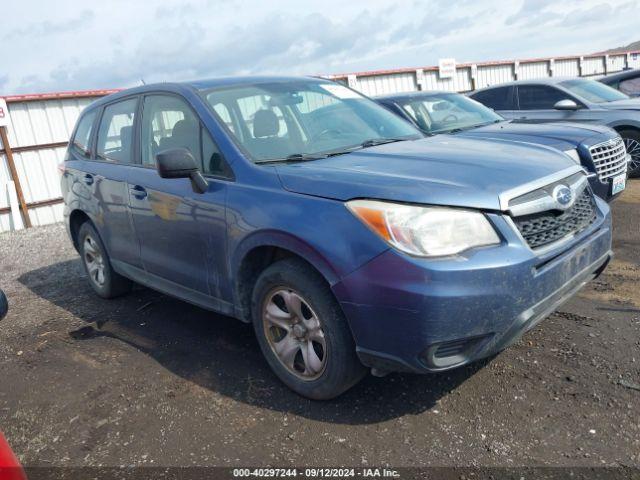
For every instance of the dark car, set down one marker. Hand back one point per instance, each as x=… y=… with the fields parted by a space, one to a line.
x=4 y=305
x=628 y=82
x=561 y=99
x=345 y=236
x=597 y=148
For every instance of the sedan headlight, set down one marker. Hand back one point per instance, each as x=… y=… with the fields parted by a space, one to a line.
x=425 y=231
x=573 y=153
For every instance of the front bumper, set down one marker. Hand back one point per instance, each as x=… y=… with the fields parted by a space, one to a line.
x=411 y=314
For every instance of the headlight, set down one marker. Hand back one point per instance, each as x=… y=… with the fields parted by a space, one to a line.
x=425 y=231
x=573 y=153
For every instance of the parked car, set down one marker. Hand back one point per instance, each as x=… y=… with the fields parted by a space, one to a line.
x=560 y=99
x=599 y=149
x=347 y=238
x=628 y=82
x=4 y=305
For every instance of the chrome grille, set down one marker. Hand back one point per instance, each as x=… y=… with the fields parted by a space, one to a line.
x=609 y=158
x=543 y=228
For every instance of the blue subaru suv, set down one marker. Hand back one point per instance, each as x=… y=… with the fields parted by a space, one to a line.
x=345 y=236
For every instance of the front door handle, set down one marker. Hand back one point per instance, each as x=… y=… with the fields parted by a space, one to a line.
x=138 y=191
x=88 y=179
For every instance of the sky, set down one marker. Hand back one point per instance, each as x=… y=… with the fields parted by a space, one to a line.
x=83 y=44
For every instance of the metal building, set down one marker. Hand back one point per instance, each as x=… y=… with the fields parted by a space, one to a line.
x=40 y=125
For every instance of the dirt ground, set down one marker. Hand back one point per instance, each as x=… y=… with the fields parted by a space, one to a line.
x=149 y=380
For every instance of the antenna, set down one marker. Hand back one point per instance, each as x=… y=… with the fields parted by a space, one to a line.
x=142 y=81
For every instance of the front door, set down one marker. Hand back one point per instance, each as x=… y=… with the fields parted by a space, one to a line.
x=182 y=233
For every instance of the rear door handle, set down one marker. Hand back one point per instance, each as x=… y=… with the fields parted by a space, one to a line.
x=88 y=179
x=138 y=191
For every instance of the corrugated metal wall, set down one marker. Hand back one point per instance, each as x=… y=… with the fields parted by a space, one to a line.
x=50 y=121
x=36 y=123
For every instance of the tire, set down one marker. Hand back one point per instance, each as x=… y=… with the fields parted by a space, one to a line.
x=102 y=277
x=323 y=329
x=632 y=142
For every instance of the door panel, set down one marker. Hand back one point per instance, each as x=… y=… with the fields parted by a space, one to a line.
x=182 y=234
x=173 y=224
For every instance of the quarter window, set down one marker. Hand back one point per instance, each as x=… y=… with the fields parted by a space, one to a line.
x=536 y=97
x=83 y=134
x=115 y=136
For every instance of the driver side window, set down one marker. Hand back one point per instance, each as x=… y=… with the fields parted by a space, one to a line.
x=167 y=123
x=539 y=97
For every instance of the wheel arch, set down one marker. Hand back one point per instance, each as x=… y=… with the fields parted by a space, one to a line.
x=259 y=251
x=76 y=218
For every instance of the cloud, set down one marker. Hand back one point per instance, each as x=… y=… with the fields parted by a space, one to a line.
x=47 y=27
x=181 y=40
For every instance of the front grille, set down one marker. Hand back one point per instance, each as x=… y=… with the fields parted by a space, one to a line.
x=540 y=229
x=609 y=158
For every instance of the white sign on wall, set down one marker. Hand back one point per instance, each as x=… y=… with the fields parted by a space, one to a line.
x=4 y=114
x=447 y=67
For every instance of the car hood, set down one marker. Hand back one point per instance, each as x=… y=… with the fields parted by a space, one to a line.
x=562 y=136
x=627 y=104
x=439 y=170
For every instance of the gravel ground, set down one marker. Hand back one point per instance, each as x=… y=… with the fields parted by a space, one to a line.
x=149 y=380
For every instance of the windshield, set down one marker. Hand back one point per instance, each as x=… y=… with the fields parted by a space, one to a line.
x=444 y=112
x=306 y=118
x=593 y=91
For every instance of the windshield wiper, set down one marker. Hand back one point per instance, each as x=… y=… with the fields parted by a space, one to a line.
x=470 y=127
x=295 y=157
x=372 y=142
x=306 y=157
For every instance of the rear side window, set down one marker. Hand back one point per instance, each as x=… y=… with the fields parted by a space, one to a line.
x=538 y=97
x=82 y=137
x=496 y=98
x=630 y=87
x=115 y=135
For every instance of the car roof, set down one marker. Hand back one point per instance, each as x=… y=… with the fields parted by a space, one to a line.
x=533 y=81
x=202 y=85
x=411 y=95
x=620 y=76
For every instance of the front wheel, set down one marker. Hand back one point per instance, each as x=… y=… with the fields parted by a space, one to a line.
x=632 y=143
x=302 y=332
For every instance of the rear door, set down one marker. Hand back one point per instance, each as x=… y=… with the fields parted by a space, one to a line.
x=182 y=233
x=105 y=179
x=500 y=99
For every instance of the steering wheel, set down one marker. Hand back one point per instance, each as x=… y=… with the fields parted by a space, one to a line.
x=450 y=118
x=324 y=133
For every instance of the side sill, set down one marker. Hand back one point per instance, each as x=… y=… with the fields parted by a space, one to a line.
x=173 y=289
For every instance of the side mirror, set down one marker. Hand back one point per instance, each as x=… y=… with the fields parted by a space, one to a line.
x=4 y=305
x=179 y=163
x=566 y=104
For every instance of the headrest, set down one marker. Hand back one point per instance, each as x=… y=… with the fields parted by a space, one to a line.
x=182 y=128
x=265 y=124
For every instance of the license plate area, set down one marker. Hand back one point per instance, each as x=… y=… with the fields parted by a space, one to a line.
x=618 y=183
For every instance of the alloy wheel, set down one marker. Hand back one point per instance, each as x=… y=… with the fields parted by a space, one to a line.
x=294 y=333
x=94 y=260
x=633 y=149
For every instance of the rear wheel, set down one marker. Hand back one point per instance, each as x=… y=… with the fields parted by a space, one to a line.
x=632 y=142
x=302 y=331
x=102 y=277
